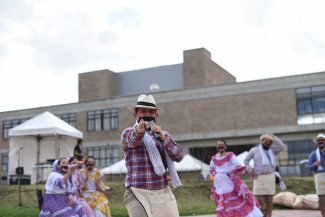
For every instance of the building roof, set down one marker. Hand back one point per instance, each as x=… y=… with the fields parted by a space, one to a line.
x=168 y=77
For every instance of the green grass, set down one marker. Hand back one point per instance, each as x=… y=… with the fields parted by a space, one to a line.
x=193 y=198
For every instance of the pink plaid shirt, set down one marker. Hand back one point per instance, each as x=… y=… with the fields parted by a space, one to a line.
x=255 y=154
x=141 y=173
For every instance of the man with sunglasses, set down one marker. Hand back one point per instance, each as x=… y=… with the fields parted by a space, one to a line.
x=265 y=168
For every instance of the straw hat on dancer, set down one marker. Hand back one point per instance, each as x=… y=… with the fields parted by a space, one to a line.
x=317 y=165
x=264 y=171
x=149 y=152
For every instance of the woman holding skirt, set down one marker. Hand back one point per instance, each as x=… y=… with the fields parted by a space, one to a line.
x=230 y=193
x=55 y=201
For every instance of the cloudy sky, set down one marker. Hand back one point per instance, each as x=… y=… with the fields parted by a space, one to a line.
x=44 y=44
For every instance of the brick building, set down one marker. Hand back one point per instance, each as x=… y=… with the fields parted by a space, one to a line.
x=203 y=103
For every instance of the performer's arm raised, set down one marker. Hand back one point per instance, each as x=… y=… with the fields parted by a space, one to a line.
x=276 y=150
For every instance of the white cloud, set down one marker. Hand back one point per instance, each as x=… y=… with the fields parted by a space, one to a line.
x=45 y=44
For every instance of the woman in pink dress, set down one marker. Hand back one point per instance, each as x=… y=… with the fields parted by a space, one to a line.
x=229 y=192
x=75 y=189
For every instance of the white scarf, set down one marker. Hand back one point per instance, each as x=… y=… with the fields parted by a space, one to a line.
x=157 y=162
x=318 y=158
x=265 y=159
x=281 y=183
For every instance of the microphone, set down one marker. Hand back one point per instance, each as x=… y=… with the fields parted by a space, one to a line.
x=151 y=123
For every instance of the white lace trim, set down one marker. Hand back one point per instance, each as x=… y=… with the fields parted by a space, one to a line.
x=101 y=205
x=78 y=207
x=101 y=185
x=93 y=173
x=93 y=198
x=75 y=182
x=219 y=158
x=61 y=211
x=45 y=213
x=241 y=192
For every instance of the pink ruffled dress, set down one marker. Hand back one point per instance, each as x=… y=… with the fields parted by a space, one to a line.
x=229 y=192
x=75 y=187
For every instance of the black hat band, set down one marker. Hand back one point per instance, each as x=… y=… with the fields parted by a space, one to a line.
x=146 y=104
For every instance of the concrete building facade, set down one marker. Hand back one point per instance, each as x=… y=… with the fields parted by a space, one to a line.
x=203 y=104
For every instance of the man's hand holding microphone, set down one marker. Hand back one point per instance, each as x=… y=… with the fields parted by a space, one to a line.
x=143 y=125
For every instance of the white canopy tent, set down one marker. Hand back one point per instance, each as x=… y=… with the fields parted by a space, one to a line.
x=189 y=163
x=43 y=137
x=241 y=157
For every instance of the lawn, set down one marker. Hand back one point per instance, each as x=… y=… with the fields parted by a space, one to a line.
x=192 y=199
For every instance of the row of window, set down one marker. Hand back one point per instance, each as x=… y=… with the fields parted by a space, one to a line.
x=96 y=121
x=311 y=105
x=105 y=156
x=289 y=159
x=69 y=118
x=7 y=125
x=310 y=109
x=102 y=120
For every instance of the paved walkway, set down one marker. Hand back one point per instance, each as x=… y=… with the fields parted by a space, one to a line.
x=285 y=213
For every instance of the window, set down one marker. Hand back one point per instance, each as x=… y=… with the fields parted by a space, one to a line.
x=7 y=125
x=4 y=163
x=104 y=156
x=311 y=105
x=290 y=157
x=102 y=120
x=69 y=118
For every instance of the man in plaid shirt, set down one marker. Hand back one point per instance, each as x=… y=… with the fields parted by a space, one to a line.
x=141 y=172
x=264 y=169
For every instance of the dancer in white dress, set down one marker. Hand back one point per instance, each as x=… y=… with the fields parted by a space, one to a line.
x=230 y=193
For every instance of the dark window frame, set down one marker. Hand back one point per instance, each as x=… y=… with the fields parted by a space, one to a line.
x=4 y=156
x=7 y=125
x=70 y=118
x=295 y=155
x=311 y=96
x=104 y=153
x=102 y=120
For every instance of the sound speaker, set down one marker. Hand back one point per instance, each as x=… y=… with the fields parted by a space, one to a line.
x=20 y=170
x=24 y=179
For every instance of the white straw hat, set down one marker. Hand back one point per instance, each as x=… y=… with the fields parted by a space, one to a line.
x=145 y=101
x=320 y=136
x=266 y=136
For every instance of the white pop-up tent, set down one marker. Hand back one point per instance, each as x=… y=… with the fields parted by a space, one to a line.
x=43 y=137
x=188 y=164
x=241 y=157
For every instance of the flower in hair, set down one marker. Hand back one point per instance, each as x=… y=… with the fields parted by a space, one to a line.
x=55 y=162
